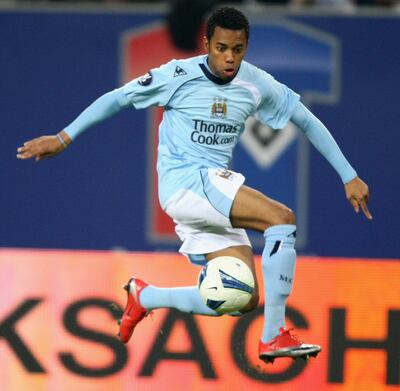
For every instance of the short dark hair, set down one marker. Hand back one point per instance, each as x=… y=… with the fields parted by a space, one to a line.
x=227 y=18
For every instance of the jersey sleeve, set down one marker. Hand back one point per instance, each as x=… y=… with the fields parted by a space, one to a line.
x=278 y=101
x=151 y=89
x=102 y=108
x=322 y=139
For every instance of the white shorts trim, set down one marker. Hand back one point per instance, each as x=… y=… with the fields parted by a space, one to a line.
x=196 y=241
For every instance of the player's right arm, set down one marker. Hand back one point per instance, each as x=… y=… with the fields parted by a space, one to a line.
x=104 y=107
x=152 y=89
x=44 y=146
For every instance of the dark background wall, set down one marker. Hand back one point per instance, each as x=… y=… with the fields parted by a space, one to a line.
x=53 y=64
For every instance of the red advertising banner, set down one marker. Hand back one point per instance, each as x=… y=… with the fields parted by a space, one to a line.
x=57 y=328
x=141 y=50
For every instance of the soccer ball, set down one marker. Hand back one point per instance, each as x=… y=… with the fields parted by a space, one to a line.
x=226 y=284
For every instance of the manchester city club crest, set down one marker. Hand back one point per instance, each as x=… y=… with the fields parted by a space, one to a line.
x=219 y=108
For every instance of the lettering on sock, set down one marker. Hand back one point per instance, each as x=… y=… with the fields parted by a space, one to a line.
x=285 y=278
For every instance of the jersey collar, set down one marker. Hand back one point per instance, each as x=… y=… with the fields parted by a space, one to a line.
x=214 y=78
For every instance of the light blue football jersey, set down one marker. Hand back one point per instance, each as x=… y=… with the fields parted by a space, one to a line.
x=204 y=115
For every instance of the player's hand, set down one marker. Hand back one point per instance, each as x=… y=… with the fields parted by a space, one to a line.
x=358 y=195
x=43 y=147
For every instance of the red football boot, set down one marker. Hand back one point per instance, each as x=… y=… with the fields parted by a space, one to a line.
x=134 y=312
x=286 y=345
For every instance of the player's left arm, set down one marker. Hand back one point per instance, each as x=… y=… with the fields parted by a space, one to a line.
x=356 y=190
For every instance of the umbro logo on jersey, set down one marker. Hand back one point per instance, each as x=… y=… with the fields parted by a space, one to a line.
x=179 y=72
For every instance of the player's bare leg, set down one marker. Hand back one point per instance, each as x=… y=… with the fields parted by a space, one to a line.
x=251 y=209
x=244 y=253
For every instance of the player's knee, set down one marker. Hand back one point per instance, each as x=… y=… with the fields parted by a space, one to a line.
x=284 y=216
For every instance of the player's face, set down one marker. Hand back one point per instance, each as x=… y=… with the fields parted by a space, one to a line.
x=226 y=50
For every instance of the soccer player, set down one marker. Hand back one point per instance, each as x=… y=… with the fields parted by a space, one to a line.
x=206 y=101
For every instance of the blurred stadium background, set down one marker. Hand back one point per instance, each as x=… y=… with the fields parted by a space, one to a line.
x=74 y=228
